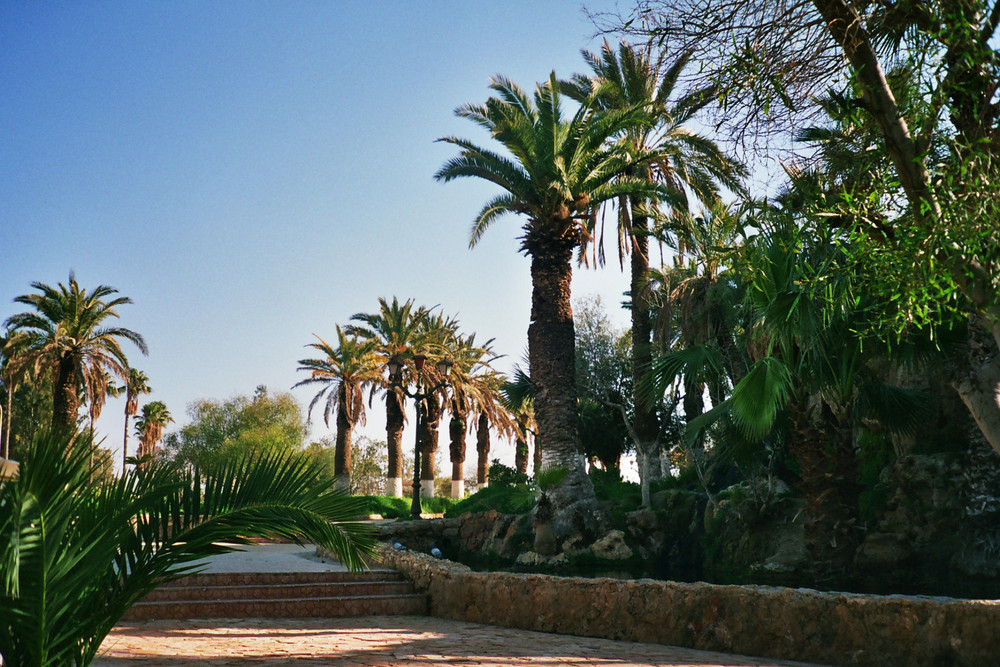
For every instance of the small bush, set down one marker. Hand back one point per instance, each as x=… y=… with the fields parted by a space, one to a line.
x=503 y=499
x=506 y=477
x=610 y=487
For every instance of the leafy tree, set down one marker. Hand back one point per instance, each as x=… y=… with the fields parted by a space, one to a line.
x=79 y=549
x=603 y=372
x=368 y=466
x=397 y=332
x=942 y=258
x=562 y=169
x=221 y=430
x=344 y=372
x=67 y=335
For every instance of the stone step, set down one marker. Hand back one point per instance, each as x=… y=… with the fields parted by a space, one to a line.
x=276 y=578
x=365 y=605
x=328 y=589
x=281 y=595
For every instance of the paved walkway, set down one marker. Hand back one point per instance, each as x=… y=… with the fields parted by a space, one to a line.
x=272 y=558
x=385 y=641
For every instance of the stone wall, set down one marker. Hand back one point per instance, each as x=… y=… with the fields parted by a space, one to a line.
x=794 y=624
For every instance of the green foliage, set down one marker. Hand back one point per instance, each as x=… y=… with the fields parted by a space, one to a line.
x=604 y=382
x=228 y=429
x=369 y=462
x=507 y=499
x=686 y=478
x=602 y=432
x=610 y=487
x=875 y=453
x=77 y=550
x=551 y=477
x=391 y=507
x=502 y=476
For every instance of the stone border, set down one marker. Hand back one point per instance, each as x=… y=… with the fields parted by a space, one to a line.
x=791 y=624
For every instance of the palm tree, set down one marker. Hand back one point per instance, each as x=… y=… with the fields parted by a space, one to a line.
x=79 y=549
x=439 y=336
x=344 y=372
x=396 y=330
x=519 y=402
x=475 y=387
x=136 y=384
x=10 y=370
x=67 y=335
x=688 y=163
x=562 y=169
x=149 y=427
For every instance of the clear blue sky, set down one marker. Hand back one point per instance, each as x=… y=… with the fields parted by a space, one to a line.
x=251 y=173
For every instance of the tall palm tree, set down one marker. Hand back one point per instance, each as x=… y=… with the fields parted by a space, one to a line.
x=136 y=384
x=100 y=388
x=345 y=372
x=79 y=549
x=690 y=165
x=396 y=330
x=149 y=427
x=475 y=387
x=10 y=370
x=439 y=336
x=563 y=167
x=67 y=335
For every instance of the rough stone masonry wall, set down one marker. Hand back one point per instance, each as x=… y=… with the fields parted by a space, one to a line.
x=793 y=624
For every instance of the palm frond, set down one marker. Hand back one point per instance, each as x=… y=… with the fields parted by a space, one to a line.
x=758 y=397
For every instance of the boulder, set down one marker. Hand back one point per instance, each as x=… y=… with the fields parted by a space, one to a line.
x=612 y=547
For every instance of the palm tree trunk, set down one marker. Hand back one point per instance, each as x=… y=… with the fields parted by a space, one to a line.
x=537 y=459
x=828 y=468
x=394 y=439
x=9 y=419
x=552 y=360
x=647 y=426
x=429 y=445
x=483 y=450
x=65 y=402
x=521 y=452
x=125 y=442
x=342 y=451
x=456 y=448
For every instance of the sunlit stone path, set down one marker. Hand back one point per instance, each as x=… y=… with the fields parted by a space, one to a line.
x=380 y=640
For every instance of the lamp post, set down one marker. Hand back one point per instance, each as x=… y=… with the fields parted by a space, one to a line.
x=395 y=367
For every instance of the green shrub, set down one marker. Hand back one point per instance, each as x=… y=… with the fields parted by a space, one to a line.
x=506 y=477
x=611 y=488
x=687 y=478
x=391 y=507
x=503 y=499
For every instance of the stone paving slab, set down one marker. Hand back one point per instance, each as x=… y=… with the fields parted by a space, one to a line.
x=409 y=641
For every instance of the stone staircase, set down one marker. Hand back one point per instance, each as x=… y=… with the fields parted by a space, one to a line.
x=281 y=595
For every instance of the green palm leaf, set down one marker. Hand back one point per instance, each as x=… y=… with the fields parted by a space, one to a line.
x=77 y=551
x=759 y=396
